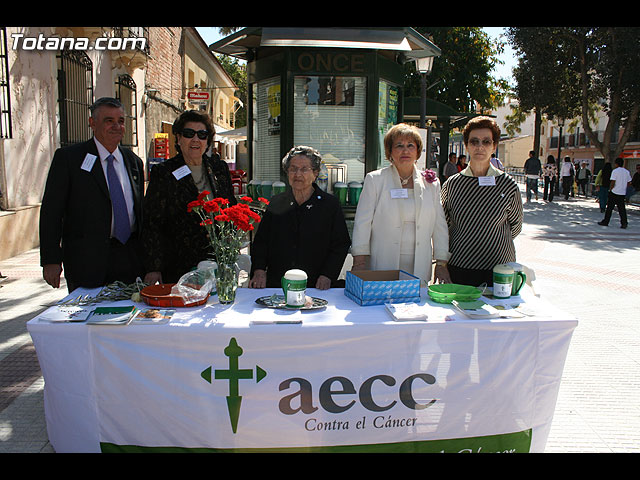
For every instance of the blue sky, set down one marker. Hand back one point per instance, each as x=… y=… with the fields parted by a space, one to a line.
x=508 y=57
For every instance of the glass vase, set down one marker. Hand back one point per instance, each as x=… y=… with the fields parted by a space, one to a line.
x=227 y=282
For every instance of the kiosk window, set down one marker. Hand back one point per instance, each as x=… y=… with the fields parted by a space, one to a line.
x=329 y=115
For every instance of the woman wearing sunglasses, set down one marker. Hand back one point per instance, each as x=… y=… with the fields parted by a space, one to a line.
x=483 y=208
x=173 y=240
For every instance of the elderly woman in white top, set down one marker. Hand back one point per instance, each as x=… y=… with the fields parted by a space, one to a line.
x=400 y=222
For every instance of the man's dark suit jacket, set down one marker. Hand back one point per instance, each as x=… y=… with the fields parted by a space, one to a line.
x=75 y=217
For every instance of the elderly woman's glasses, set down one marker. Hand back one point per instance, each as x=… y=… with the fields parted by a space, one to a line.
x=476 y=142
x=190 y=132
x=303 y=170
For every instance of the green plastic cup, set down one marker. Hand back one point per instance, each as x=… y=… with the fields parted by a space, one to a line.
x=266 y=189
x=254 y=189
x=355 y=189
x=294 y=286
x=278 y=187
x=340 y=191
x=502 y=281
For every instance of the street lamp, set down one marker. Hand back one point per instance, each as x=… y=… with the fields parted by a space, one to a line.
x=559 y=161
x=560 y=125
x=424 y=65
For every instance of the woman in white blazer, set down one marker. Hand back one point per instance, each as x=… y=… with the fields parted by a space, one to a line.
x=400 y=222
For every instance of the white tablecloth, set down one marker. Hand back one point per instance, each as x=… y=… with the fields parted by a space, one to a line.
x=348 y=378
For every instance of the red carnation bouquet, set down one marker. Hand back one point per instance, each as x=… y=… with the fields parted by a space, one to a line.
x=227 y=226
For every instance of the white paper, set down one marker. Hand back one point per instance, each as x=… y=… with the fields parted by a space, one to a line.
x=482 y=311
x=487 y=181
x=65 y=313
x=399 y=193
x=88 y=162
x=406 y=311
x=181 y=172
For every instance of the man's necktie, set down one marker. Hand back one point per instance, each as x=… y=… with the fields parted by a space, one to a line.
x=122 y=229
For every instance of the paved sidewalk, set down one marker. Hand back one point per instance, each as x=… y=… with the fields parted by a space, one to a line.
x=580 y=266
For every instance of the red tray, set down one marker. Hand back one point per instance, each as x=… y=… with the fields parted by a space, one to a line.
x=160 y=296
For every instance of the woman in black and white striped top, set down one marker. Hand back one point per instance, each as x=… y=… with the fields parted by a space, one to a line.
x=483 y=208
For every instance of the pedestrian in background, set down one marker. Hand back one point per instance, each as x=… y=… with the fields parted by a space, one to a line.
x=532 y=170
x=91 y=210
x=550 y=178
x=620 y=179
x=495 y=161
x=583 y=175
x=462 y=162
x=635 y=184
x=603 y=180
x=450 y=167
x=567 y=173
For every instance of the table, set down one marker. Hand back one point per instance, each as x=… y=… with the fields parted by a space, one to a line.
x=346 y=379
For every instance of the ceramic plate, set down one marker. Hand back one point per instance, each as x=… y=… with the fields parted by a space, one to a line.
x=277 y=301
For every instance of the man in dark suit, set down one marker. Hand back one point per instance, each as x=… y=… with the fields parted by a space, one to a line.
x=92 y=207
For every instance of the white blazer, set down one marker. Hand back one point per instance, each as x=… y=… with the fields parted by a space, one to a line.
x=377 y=227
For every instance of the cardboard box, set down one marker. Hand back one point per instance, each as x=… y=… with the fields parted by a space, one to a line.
x=369 y=287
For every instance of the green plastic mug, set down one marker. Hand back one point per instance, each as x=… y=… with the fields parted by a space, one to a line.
x=519 y=278
x=294 y=286
x=503 y=280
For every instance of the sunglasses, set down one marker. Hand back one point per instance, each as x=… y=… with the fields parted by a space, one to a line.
x=477 y=142
x=190 y=132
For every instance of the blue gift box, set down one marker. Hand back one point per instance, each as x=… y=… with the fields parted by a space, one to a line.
x=369 y=287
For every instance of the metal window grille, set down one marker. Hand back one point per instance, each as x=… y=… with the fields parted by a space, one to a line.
x=134 y=32
x=126 y=93
x=75 y=91
x=5 y=101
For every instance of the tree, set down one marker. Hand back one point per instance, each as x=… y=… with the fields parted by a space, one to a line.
x=463 y=70
x=607 y=59
x=545 y=82
x=569 y=71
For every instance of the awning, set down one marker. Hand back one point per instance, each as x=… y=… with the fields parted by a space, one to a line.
x=400 y=39
x=239 y=134
x=439 y=111
x=631 y=153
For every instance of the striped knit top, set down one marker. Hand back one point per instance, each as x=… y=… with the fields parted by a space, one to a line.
x=483 y=220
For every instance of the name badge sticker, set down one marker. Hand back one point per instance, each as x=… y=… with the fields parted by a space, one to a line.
x=181 y=172
x=399 y=193
x=88 y=162
x=487 y=181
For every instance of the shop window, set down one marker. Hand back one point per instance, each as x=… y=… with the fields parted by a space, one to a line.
x=266 y=129
x=329 y=115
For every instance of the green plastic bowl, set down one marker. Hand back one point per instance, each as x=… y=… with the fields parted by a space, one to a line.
x=448 y=292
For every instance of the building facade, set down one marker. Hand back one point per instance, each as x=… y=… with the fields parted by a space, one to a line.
x=49 y=76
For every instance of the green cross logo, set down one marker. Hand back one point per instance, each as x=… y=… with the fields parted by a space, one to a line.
x=233 y=374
